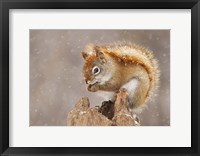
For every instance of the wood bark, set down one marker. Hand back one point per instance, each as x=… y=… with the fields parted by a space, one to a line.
x=108 y=114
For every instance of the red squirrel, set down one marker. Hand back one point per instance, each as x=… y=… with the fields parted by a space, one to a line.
x=122 y=65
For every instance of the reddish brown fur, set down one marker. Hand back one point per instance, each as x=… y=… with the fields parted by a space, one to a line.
x=128 y=60
x=88 y=63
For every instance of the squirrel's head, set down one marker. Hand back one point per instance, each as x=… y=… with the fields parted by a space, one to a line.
x=96 y=67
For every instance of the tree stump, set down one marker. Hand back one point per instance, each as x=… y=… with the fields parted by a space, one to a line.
x=109 y=114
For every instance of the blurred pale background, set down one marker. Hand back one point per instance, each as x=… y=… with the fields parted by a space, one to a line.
x=56 y=81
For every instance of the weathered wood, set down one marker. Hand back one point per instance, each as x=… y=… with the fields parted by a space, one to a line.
x=109 y=114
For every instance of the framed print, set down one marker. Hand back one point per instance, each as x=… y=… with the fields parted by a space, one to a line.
x=99 y=77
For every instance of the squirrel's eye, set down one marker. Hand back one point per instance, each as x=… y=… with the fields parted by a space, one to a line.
x=95 y=70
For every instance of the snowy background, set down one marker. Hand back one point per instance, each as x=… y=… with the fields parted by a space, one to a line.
x=56 y=81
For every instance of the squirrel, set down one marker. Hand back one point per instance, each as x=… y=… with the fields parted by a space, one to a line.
x=122 y=65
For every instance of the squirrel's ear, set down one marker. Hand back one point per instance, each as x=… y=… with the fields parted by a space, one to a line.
x=100 y=55
x=85 y=55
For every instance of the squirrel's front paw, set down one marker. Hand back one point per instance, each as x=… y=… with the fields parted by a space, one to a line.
x=93 y=88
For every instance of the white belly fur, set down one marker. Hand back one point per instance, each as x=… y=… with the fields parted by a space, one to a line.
x=131 y=88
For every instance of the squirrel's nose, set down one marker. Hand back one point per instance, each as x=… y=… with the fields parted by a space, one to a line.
x=86 y=81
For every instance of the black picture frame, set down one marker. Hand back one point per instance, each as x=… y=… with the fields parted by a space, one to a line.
x=5 y=5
